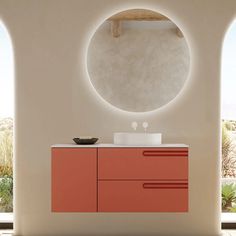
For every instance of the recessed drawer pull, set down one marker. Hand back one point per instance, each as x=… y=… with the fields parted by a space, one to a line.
x=165 y=153
x=165 y=185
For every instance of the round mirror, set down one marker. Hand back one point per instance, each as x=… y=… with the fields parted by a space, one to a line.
x=138 y=60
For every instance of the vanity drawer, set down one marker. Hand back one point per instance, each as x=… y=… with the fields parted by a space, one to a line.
x=142 y=196
x=139 y=163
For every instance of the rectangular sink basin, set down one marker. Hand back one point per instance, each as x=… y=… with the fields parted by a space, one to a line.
x=137 y=139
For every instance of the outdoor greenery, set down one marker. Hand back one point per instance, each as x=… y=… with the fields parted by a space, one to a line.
x=230 y=124
x=228 y=194
x=228 y=156
x=6 y=194
x=228 y=190
x=6 y=165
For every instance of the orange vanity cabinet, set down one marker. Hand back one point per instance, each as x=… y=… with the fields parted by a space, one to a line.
x=143 y=179
x=74 y=179
x=120 y=179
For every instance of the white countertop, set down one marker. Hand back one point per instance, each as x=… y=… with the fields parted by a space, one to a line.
x=110 y=145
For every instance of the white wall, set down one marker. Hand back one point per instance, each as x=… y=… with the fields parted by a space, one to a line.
x=55 y=103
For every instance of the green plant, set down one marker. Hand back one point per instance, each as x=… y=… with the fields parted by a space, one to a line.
x=228 y=195
x=6 y=194
x=228 y=157
x=6 y=170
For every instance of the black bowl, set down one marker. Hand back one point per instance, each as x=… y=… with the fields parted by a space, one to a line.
x=85 y=141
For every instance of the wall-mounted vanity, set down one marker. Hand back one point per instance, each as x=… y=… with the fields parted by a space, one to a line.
x=112 y=178
x=138 y=61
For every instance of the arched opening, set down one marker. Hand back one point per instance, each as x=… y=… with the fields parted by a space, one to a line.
x=6 y=127
x=228 y=114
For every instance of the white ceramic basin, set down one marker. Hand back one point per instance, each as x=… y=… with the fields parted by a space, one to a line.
x=137 y=139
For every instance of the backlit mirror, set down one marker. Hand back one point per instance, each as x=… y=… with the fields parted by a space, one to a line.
x=138 y=60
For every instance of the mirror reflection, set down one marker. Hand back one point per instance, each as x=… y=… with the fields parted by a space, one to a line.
x=138 y=60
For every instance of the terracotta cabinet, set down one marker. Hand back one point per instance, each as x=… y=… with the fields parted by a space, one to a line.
x=74 y=180
x=120 y=179
x=143 y=180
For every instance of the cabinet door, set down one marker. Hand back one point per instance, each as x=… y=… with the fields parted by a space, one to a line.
x=74 y=179
x=143 y=196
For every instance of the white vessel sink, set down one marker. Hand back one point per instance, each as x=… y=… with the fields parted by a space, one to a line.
x=137 y=139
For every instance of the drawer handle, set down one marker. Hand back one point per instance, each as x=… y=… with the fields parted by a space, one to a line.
x=165 y=185
x=165 y=153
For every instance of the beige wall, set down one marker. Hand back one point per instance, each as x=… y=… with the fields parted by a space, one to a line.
x=54 y=102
